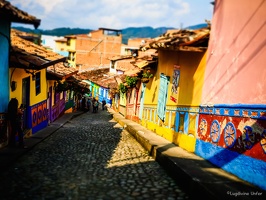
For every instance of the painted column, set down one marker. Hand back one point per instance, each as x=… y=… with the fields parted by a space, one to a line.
x=4 y=65
x=4 y=77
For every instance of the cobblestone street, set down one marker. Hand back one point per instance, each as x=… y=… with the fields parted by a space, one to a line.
x=90 y=157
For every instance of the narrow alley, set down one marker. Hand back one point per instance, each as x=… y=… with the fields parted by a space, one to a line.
x=90 y=157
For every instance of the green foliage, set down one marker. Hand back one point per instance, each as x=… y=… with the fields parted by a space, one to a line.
x=60 y=87
x=147 y=74
x=131 y=81
x=122 y=88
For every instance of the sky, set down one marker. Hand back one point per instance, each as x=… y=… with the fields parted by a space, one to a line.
x=116 y=14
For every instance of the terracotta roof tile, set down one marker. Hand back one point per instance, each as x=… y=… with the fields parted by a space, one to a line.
x=98 y=76
x=26 y=54
x=190 y=40
x=60 y=71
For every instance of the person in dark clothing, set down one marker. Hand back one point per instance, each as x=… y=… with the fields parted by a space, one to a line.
x=103 y=104
x=14 y=116
x=83 y=103
x=95 y=105
x=88 y=104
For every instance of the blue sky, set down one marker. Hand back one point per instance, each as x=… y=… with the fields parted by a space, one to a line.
x=116 y=14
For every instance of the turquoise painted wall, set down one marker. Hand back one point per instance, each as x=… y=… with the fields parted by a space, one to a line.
x=4 y=64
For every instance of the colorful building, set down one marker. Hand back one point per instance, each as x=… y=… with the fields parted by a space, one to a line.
x=232 y=120
x=8 y=15
x=61 y=96
x=28 y=63
x=211 y=101
x=171 y=99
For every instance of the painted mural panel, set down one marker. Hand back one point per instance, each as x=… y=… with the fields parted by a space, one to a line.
x=175 y=84
x=243 y=135
x=34 y=116
x=39 y=114
x=45 y=111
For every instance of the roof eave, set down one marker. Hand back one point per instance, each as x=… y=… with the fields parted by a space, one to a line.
x=62 y=76
x=33 y=66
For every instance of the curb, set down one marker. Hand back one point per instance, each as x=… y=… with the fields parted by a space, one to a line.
x=197 y=176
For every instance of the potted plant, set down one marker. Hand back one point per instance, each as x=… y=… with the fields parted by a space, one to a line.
x=131 y=81
x=146 y=75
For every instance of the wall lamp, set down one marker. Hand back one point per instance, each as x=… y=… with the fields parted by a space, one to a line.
x=13 y=85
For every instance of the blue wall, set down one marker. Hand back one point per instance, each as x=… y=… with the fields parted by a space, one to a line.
x=4 y=65
x=253 y=171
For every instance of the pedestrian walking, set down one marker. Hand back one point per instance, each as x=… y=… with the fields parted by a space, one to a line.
x=88 y=104
x=103 y=104
x=14 y=116
x=95 y=104
x=83 y=104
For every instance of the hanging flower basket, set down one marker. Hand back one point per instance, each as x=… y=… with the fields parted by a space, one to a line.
x=145 y=80
x=131 y=81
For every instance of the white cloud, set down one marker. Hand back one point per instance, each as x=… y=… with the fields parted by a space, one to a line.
x=116 y=14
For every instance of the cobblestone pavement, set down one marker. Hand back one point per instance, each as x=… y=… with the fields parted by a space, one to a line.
x=90 y=157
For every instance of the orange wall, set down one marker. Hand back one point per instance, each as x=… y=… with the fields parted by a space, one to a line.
x=96 y=51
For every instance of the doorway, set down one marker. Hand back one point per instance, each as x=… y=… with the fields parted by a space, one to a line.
x=26 y=102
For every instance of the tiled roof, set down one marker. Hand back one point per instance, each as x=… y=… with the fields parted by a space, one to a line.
x=185 y=40
x=26 y=54
x=133 y=65
x=13 y=14
x=130 y=66
x=78 y=81
x=61 y=40
x=99 y=76
x=144 y=61
x=120 y=57
x=60 y=71
x=125 y=65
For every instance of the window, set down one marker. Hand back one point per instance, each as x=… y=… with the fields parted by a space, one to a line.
x=112 y=64
x=73 y=56
x=68 y=42
x=38 y=83
x=162 y=97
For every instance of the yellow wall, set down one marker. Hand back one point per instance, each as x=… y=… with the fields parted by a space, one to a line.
x=192 y=68
x=60 y=46
x=123 y=100
x=18 y=75
x=72 y=46
x=72 y=51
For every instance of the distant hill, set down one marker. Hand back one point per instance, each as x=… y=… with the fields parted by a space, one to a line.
x=56 y=31
x=131 y=32
x=197 y=26
x=143 y=32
